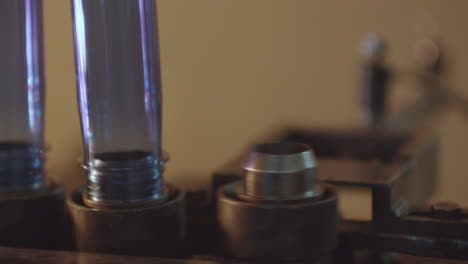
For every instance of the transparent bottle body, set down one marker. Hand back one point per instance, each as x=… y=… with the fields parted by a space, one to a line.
x=119 y=93
x=21 y=95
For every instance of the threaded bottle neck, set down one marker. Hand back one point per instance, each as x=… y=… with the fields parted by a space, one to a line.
x=21 y=167
x=123 y=178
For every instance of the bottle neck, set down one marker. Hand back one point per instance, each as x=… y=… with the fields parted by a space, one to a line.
x=117 y=179
x=21 y=167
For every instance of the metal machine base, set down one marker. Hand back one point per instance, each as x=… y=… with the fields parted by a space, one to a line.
x=33 y=220
x=272 y=231
x=156 y=230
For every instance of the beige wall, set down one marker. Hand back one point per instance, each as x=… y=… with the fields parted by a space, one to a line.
x=232 y=69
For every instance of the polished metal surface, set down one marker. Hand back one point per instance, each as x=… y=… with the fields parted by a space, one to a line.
x=276 y=212
x=279 y=171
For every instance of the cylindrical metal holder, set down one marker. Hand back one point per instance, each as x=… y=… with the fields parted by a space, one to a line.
x=277 y=212
x=31 y=207
x=125 y=207
x=150 y=230
x=34 y=219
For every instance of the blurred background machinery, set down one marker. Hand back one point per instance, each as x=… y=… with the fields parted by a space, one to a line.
x=229 y=56
x=237 y=73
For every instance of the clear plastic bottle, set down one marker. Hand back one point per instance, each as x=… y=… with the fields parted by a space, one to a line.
x=22 y=96
x=119 y=91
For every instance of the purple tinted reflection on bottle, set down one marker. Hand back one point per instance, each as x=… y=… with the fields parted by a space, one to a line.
x=22 y=96
x=119 y=92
